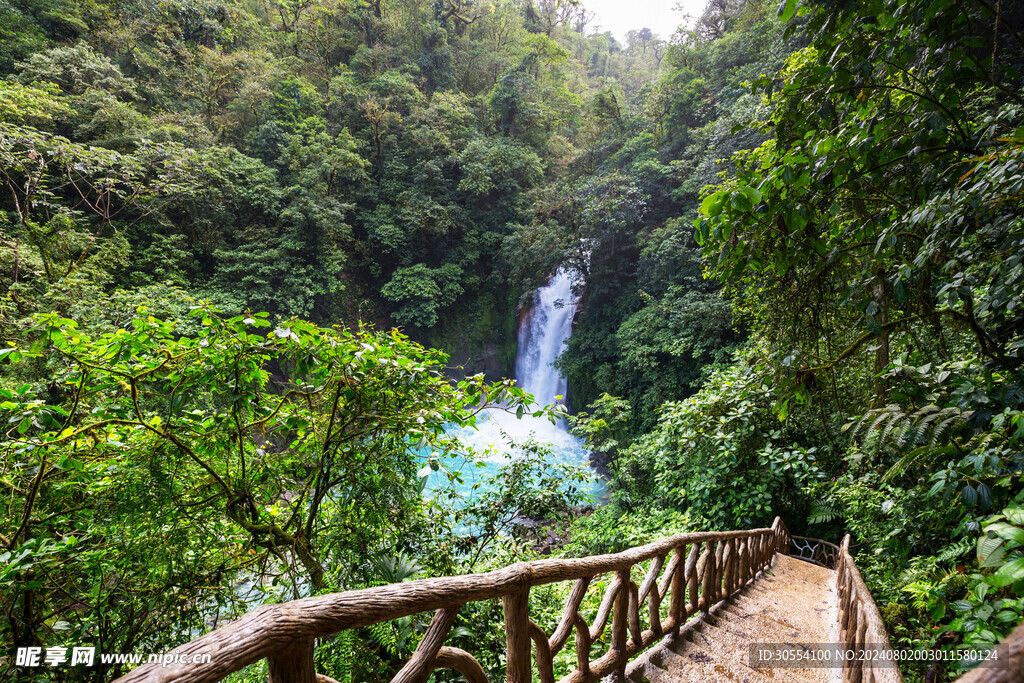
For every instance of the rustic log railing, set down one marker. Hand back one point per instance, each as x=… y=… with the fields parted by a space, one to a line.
x=690 y=572
x=815 y=550
x=861 y=625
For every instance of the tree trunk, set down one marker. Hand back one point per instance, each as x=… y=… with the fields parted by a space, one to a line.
x=880 y=295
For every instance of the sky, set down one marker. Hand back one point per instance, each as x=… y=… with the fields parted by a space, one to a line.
x=622 y=16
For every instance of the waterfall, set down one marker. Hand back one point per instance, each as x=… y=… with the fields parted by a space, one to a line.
x=543 y=332
x=545 y=329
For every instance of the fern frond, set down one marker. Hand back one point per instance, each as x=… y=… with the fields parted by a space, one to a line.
x=986 y=440
x=923 y=411
x=921 y=428
x=956 y=551
x=823 y=511
x=944 y=426
x=881 y=415
x=386 y=636
x=915 y=458
x=895 y=419
x=855 y=427
x=344 y=661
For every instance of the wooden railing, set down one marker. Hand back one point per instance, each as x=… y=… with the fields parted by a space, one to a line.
x=815 y=551
x=861 y=625
x=691 y=572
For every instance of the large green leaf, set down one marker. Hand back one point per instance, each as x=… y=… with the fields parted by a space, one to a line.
x=741 y=201
x=786 y=10
x=1012 y=570
x=713 y=204
x=990 y=551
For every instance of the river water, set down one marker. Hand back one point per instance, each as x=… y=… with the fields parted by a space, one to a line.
x=543 y=332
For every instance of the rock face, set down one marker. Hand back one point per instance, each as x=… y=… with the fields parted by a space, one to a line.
x=487 y=360
x=600 y=461
x=492 y=363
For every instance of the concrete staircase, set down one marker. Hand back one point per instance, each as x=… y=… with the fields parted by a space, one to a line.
x=792 y=602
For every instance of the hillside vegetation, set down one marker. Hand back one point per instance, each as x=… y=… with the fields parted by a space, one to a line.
x=258 y=256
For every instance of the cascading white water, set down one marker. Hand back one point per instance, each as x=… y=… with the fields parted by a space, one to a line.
x=545 y=329
x=542 y=336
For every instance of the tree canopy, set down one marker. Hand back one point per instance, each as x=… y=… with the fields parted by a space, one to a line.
x=260 y=261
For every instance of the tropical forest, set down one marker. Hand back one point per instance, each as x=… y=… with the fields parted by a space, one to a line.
x=313 y=298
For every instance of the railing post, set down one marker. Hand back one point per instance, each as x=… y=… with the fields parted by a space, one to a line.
x=635 y=629
x=545 y=660
x=654 y=593
x=753 y=551
x=517 y=636
x=707 y=587
x=691 y=582
x=719 y=570
x=677 y=606
x=745 y=548
x=292 y=663
x=582 y=645
x=419 y=666
x=620 y=624
x=723 y=571
x=730 y=566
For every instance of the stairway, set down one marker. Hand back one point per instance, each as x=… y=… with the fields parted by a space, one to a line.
x=792 y=602
x=757 y=595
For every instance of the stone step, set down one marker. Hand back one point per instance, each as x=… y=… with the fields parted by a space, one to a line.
x=764 y=627
x=804 y=613
x=719 y=638
x=692 y=662
x=752 y=627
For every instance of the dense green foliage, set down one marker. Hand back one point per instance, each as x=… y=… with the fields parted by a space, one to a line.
x=796 y=233
x=170 y=480
x=358 y=164
x=344 y=160
x=867 y=228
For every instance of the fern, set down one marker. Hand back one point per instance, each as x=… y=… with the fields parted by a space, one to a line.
x=344 y=660
x=916 y=458
x=386 y=636
x=881 y=415
x=823 y=511
x=956 y=551
x=895 y=419
x=919 y=421
x=955 y=418
x=928 y=432
x=929 y=425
